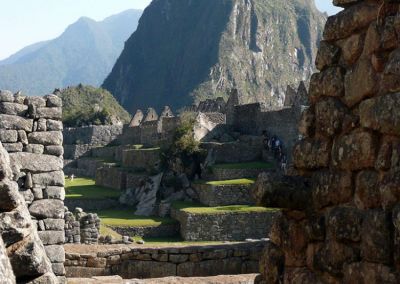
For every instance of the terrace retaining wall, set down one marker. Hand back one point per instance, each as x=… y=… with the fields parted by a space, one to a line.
x=135 y=262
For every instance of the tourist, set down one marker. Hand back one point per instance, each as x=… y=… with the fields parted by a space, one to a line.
x=71 y=177
x=283 y=164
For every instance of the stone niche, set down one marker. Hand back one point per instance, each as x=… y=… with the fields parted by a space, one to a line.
x=31 y=131
x=348 y=228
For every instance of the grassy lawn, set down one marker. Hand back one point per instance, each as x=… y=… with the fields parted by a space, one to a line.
x=85 y=188
x=250 y=165
x=202 y=209
x=228 y=182
x=126 y=218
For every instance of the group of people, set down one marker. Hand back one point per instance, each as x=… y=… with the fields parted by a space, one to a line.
x=274 y=144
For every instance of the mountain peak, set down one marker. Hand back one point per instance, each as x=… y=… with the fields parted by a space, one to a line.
x=256 y=46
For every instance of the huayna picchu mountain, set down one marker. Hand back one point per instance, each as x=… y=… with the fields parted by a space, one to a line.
x=85 y=53
x=184 y=51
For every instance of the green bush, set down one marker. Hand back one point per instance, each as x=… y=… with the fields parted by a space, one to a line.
x=85 y=105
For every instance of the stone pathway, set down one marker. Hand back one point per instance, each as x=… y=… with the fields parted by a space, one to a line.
x=223 y=279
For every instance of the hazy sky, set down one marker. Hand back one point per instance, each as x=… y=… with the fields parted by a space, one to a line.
x=24 y=22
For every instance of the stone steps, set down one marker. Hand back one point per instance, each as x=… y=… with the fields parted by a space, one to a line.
x=228 y=223
x=221 y=194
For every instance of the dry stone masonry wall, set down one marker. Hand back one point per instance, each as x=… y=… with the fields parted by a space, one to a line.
x=20 y=244
x=343 y=225
x=31 y=131
x=133 y=262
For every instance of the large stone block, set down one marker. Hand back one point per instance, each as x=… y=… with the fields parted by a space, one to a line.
x=329 y=116
x=6 y=271
x=391 y=77
x=328 y=54
x=331 y=188
x=329 y=82
x=382 y=114
x=53 y=101
x=15 y=123
x=367 y=194
x=52 y=237
x=355 y=151
x=13 y=109
x=377 y=238
x=147 y=269
x=47 y=208
x=55 y=253
x=333 y=256
x=272 y=264
x=49 y=112
x=15 y=225
x=54 y=125
x=344 y=224
x=9 y=196
x=351 y=48
x=311 y=154
x=46 y=138
x=350 y=20
x=35 y=101
x=8 y=136
x=389 y=153
x=35 y=163
x=390 y=189
x=360 y=82
x=28 y=257
x=55 y=178
x=371 y=273
x=54 y=192
x=6 y=96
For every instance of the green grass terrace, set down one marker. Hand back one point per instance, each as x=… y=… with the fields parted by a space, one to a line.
x=196 y=208
x=86 y=188
x=243 y=181
x=249 y=165
x=127 y=218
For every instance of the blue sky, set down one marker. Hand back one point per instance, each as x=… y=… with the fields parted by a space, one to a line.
x=24 y=22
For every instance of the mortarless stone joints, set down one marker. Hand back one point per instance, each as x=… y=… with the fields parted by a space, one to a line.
x=31 y=131
x=346 y=227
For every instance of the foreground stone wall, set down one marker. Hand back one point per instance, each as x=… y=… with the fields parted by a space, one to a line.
x=345 y=226
x=134 y=262
x=20 y=244
x=31 y=131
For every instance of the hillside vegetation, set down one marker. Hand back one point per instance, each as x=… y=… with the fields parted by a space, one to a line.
x=87 y=105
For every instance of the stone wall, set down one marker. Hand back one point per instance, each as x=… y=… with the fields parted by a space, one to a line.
x=253 y=119
x=344 y=227
x=230 y=226
x=135 y=262
x=31 y=130
x=160 y=231
x=222 y=195
x=20 y=244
